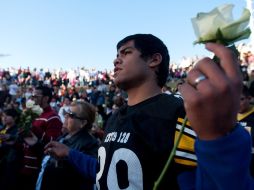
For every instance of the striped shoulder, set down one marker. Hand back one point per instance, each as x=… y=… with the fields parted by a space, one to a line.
x=49 y=118
x=171 y=98
x=185 y=154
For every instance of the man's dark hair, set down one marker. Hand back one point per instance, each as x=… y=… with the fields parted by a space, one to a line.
x=148 y=45
x=11 y=112
x=46 y=91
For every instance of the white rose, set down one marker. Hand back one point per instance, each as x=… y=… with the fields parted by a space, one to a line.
x=37 y=109
x=219 y=26
x=30 y=104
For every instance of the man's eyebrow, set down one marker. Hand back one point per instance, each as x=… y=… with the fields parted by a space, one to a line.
x=124 y=49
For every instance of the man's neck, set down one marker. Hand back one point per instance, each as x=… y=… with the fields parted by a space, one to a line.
x=44 y=106
x=137 y=95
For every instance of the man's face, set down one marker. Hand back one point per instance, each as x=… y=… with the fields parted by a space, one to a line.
x=130 y=69
x=37 y=97
x=244 y=104
x=7 y=120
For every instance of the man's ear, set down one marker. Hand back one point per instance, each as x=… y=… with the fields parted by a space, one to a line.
x=84 y=122
x=155 y=60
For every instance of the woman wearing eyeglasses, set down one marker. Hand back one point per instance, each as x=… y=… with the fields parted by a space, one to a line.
x=60 y=174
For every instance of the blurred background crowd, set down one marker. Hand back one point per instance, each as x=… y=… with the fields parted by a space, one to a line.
x=64 y=106
x=93 y=86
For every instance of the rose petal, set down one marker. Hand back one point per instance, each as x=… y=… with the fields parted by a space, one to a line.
x=218 y=25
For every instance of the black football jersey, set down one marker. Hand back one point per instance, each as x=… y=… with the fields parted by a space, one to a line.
x=137 y=144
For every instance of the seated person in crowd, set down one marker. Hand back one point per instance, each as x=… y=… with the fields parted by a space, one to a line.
x=10 y=156
x=60 y=174
x=245 y=117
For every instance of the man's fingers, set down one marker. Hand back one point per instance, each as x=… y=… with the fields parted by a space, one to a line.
x=50 y=148
x=228 y=60
x=195 y=77
x=51 y=144
x=229 y=63
x=211 y=70
x=189 y=93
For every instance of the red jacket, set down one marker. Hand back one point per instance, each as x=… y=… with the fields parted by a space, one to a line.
x=47 y=127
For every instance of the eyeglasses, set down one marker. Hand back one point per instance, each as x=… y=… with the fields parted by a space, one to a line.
x=73 y=115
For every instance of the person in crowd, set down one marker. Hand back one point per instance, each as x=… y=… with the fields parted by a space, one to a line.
x=74 y=93
x=79 y=118
x=45 y=128
x=166 y=89
x=54 y=104
x=13 y=88
x=244 y=71
x=102 y=87
x=245 y=117
x=111 y=93
x=23 y=103
x=245 y=114
x=9 y=131
x=94 y=94
x=5 y=97
x=97 y=129
x=100 y=99
x=66 y=105
x=84 y=96
x=118 y=103
x=28 y=93
x=10 y=157
x=177 y=93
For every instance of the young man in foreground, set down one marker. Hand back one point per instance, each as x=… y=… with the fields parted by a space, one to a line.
x=139 y=137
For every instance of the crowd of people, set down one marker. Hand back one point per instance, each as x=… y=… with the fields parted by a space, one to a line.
x=116 y=129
